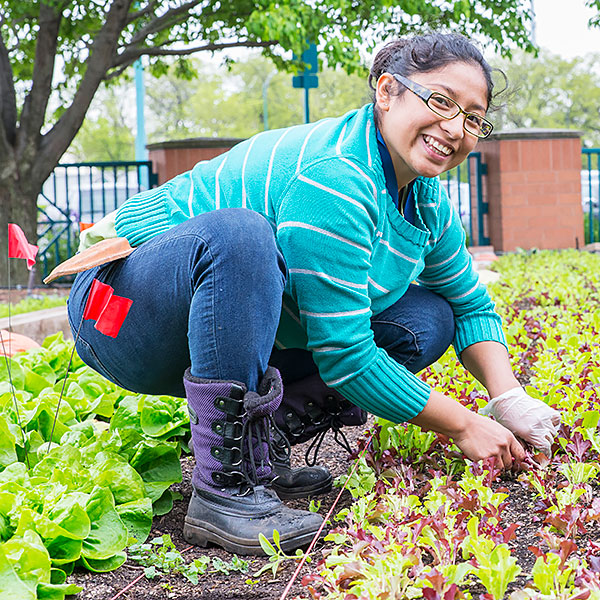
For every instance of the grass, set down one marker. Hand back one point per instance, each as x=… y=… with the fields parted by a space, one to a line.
x=31 y=305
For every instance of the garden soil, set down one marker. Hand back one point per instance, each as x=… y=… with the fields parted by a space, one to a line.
x=217 y=586
x=129 y=582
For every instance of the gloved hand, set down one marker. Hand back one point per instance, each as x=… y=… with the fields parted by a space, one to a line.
x=529 y=419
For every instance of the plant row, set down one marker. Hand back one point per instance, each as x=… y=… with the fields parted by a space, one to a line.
x=84 y=466
x=427 y=523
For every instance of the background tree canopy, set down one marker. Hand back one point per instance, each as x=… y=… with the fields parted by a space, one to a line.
x=56 y=53
x=549 y=91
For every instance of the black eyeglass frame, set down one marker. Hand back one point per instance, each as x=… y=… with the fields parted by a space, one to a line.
x=425 y=94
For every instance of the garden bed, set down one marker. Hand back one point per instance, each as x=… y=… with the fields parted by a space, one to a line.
x=418 y=520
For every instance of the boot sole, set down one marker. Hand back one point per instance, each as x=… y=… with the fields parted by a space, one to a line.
x=323 y=487
x=202 y=533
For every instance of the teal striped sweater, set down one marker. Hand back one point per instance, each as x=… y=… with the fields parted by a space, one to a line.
x=349 y=252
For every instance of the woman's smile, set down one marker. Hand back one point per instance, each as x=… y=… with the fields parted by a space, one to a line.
x=437 y=148
x=420 y=141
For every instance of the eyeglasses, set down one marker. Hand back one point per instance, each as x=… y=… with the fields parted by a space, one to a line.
x=447 y=108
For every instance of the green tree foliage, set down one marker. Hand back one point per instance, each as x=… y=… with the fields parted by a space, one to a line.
x=107 y=134
x=56 y=53
x=219 y=102
x=549 y=91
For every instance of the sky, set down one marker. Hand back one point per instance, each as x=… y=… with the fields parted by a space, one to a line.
x=561 y=27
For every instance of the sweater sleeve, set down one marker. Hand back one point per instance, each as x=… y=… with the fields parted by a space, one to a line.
x=449 y=272
x=326 y=225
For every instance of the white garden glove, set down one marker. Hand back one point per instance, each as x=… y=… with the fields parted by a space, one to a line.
x=529 y=419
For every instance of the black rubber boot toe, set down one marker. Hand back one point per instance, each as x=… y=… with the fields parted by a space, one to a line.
x=302 y=482
x=234 y=522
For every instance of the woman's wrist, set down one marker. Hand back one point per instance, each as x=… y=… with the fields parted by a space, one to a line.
x=444 y=415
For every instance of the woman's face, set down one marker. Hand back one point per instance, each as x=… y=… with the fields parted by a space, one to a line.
x=420 y=142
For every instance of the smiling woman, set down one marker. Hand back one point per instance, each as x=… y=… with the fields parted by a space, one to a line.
x=272 y=286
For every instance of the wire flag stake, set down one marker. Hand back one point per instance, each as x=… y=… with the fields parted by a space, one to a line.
x=288 y=587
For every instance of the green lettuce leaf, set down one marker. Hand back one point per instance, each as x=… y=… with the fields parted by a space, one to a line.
x=108 y=535
x=137 y=517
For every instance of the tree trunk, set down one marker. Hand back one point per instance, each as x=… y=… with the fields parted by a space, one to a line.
x=18 y=204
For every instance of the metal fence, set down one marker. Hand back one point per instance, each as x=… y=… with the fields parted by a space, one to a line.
x=590 y=193
x=82 y=193
x=77 y=194
x=464 y=185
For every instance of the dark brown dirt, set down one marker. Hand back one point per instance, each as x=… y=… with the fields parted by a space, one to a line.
x=217 y=586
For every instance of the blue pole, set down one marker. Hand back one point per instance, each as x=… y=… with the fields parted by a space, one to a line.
x=141 y=153
x=306 y=107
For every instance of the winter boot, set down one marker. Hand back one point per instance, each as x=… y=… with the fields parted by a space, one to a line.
x=309 y=410
x=231 y=502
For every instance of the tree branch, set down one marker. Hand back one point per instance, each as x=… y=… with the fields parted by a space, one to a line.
x=165 y=21
x=140 y=13
x=36 y=102
x=8 y=101
x=102 y=56
x=132 y=54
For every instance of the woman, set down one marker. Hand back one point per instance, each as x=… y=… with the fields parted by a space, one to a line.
x=297 y=249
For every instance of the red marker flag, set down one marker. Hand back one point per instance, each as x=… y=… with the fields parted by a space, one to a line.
x=98 y=298
x=107 y=309
x=19 y=247
x=112 y=317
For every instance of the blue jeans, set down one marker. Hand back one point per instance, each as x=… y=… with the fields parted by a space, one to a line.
x=207 y=295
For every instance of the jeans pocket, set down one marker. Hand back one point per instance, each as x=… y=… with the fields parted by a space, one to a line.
x=89 y=357
x=397 y=340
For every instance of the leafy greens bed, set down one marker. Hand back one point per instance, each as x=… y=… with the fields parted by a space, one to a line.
x=425 y=522
x=428 y=524
x=95 y=477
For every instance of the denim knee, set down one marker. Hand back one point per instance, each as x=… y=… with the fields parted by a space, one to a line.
x=240 y=237
x=417 y=329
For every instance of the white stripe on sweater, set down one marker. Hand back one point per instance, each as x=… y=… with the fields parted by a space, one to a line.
x=331 y=191
x=326 y=349
x=466 y=293
x=361 y=286
x=446 y=280
x=191 y=197
x=306 y=142
x=345 y=313
x=217 y=187
x=377 y=286
x=333 y=382
x=290 y=312
x=338 y=146
x=356 y=168
x=367 y=133
x=244 y=170
x=394 y=251
x=270 y=169
x=444 y=229
x=433 y=266
x=300 y=225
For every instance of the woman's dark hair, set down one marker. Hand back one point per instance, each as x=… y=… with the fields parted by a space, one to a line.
x=424 y=53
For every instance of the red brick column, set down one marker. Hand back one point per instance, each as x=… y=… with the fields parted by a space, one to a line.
x=176 y=157
x=534 y=189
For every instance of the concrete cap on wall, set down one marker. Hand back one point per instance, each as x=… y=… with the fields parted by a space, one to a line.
x=534 y=134
x=201 y=142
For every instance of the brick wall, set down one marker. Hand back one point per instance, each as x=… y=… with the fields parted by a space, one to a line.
x=172 y=158
x=533 y=185
x=534 y=189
